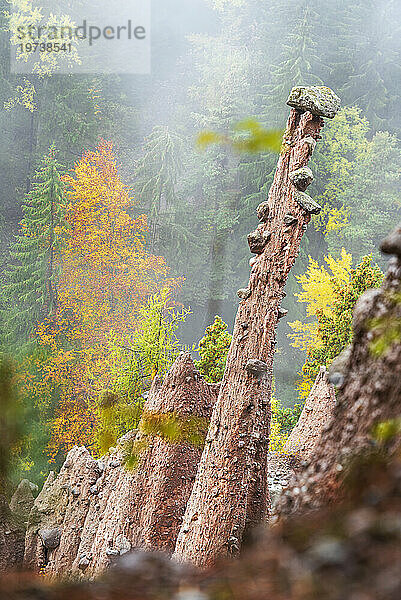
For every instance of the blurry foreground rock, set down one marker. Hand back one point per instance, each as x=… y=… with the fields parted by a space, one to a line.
x=351 y=550
x=12 y=535
x=95 y=511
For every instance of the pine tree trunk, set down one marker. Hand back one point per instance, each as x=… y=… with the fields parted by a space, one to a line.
x=40 y=88
x=230 y=493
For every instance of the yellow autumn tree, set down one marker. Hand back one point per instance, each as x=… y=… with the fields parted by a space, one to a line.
x=330 y=295
x=317 y=284
x=105 y=276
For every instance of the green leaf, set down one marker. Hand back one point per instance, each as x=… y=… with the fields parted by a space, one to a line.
x=207 y=138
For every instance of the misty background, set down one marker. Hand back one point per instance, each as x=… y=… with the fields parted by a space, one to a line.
x=215 y=63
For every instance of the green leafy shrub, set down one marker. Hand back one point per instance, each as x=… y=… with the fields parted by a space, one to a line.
x=213 y=350
x=152 y=351
x=283 y=420
x=334 y=329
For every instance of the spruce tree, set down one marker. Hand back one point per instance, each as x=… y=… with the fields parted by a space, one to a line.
x=156 y=175
x=300 y=62
x=372 y=54
x=30 y=291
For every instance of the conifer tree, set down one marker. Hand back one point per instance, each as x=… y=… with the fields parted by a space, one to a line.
x=300 y=62
x=373 y=54
x=156 y=176
x=30 y=280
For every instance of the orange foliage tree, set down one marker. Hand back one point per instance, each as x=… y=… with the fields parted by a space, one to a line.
x=105 y=277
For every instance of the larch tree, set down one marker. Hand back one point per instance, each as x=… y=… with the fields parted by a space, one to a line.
x=106 y=274
x=230 y=493
x=106 y=269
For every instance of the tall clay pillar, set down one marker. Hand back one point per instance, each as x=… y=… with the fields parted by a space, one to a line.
x=230 y=492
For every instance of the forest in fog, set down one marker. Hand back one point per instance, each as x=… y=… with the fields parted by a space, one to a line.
x=200 y=300
x=97 y=297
